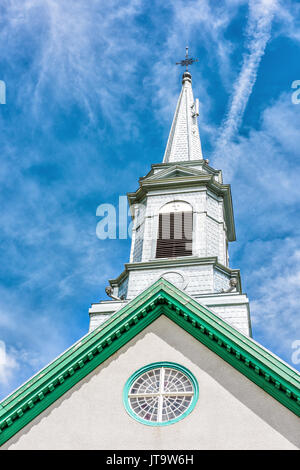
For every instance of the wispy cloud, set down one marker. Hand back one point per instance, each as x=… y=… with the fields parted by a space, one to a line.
x=261 y=13
x=288 y=14
x=266 y=201
x=275 y=310
x=8 y=365
x=74 y=56
x=202 y=25
x=91 y=88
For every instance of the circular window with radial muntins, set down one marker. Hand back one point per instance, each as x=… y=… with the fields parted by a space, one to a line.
x=160 y=393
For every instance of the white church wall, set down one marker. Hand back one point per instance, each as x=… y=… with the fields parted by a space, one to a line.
x=100 y=312
x=212 y=233
x=231 y=307
x=198 y=279
x=138 y=232
x=209 y=236
x=213 y=207
x=199 y=242
x=235 y=315
x=123 y=288
x=138 y=243
x=96 y=319
x=221 y=280
x=231 y=411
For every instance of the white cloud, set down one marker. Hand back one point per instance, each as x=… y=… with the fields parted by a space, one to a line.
x=270 y=153
x=263 y=169
x=88 y=54
x=198 y=24
x=288 y=15
x=8 y=365
x=84 y=52
x=275 y=310
x=29 y=338
x=261 y=13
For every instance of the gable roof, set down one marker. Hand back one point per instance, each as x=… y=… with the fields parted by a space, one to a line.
x=176 y=171
x=247 y=356
x=200 y=165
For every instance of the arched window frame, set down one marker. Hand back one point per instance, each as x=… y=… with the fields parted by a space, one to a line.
x=174 y=236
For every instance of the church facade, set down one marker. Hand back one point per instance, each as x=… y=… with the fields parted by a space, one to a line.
x=169 y=361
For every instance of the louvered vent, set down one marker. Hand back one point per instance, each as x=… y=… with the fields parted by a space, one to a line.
x=174 y=235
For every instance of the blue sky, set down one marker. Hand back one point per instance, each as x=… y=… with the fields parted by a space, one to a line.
x=91 y=92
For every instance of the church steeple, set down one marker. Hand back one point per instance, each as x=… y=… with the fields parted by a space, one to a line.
x=184 y=141
x=182 y=225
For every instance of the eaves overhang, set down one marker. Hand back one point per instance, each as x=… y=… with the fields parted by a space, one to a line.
x=186 y=163
x=178 y=169
x=162 y=298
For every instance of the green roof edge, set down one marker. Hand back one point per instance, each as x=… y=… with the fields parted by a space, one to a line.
x=259 y=365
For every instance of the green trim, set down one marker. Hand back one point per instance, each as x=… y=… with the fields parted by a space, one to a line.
x=156 y=365
x=162 y=298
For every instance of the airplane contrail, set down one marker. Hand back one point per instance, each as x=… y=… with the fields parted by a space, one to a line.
x=261 y=14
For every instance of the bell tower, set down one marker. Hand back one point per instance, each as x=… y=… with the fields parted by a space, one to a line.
x=182 y=223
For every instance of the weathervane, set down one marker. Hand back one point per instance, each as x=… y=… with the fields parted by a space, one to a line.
x=188 y=60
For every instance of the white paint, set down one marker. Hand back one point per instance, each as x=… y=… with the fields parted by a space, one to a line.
x=184 y=140
x=231 y=307
x=175 y=206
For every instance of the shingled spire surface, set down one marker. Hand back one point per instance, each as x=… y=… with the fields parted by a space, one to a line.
x=184 y=140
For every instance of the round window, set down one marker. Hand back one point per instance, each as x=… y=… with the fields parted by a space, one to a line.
x=160 y=393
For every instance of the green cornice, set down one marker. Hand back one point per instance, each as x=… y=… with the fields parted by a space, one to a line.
x=162 y=298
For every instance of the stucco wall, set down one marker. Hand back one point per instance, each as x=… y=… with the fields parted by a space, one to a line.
x=231 y=412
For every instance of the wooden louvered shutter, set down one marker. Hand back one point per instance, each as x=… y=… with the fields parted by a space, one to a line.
x=174 y=235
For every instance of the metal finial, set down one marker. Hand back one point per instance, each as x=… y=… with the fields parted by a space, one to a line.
x=187 y=61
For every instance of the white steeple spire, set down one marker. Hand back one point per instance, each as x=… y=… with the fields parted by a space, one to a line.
x=184 y=140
